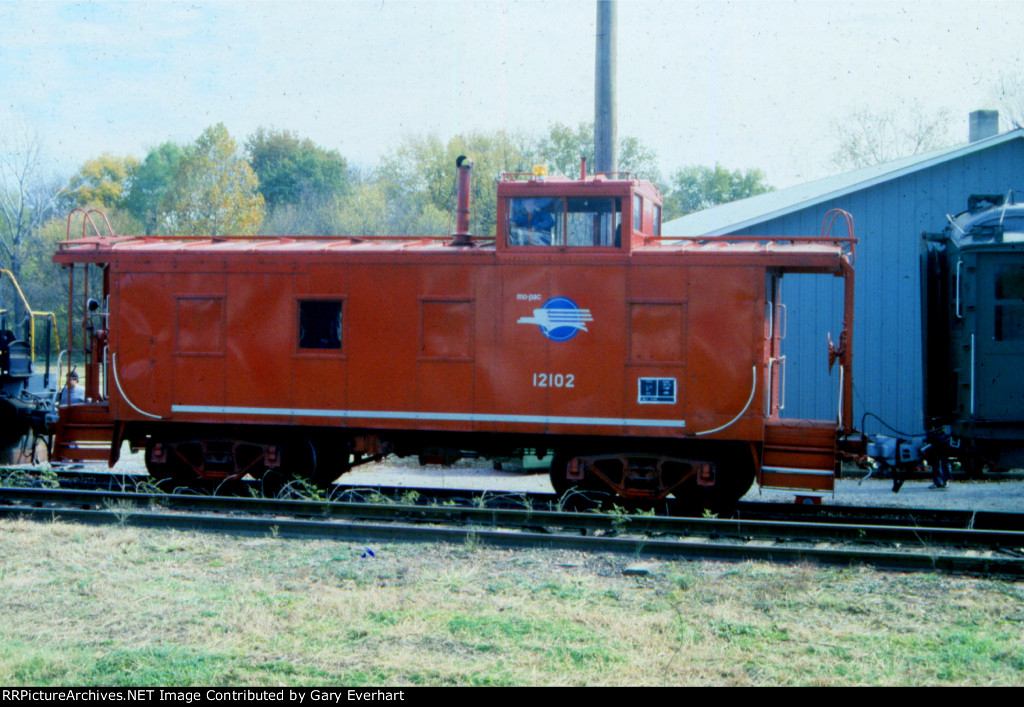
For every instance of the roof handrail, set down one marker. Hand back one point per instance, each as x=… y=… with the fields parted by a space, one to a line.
x=829 y=221
x=87 y=219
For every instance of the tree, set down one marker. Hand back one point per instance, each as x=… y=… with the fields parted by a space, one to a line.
x=42 y=280
x=150 y=184
x=367 y=210
x=420 y=175
x=214 y=190
x=563 y=146
x=1010 y=94
x=102 y=182
x=27 y=199
x=698 y=187
x=868 y=137
x=293 y=170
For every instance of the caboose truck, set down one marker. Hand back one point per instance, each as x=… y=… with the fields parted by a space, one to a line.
x=649 y=367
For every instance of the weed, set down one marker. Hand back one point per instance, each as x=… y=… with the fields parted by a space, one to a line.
x=16 y=478
x=48 y=478
x=410 y=497
x=365 y=495
x=148 y=488
x=379 y=498
x=302 y=489
x=620 y=518
x=682 y=581
x=121 y=509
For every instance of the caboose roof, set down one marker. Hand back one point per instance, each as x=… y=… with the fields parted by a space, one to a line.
x=103 y=249
x=808 y=255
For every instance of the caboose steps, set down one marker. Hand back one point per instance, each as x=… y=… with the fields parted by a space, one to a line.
x=84 y=433
x=798 y=454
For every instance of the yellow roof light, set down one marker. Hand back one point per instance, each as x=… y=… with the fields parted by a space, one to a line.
x=540 y=170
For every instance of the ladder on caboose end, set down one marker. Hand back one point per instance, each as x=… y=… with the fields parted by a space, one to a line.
x=84 y=433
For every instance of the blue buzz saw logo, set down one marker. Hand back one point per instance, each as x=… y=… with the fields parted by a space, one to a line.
x=559 y=319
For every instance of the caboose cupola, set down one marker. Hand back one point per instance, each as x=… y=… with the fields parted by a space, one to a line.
x=605 y=212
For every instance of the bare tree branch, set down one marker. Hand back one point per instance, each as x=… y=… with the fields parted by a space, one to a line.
x=27 y=199
x=869 y=137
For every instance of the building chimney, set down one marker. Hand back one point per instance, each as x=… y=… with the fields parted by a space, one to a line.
x=984 y=124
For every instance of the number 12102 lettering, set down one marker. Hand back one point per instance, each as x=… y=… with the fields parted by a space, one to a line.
x=554 y=380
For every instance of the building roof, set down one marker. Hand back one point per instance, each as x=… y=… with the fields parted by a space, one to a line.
x=738 y=215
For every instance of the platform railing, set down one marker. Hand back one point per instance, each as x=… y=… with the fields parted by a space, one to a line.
x=50 y=317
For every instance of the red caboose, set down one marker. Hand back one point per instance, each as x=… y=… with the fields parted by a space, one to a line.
x=647 y=367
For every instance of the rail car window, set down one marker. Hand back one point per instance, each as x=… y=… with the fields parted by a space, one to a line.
x=320 y=324
x=638 y=212
x=656 y=231
x=573 y=222
x=536 y=221
x=1009 y=303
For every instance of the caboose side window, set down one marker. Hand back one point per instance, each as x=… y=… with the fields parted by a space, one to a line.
x=320 y=324
x=638 y=212
x=536 y=221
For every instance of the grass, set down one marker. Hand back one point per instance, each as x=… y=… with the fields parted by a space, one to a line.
x=122 y=606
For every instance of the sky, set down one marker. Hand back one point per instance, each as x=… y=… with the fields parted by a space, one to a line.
x=744 y=84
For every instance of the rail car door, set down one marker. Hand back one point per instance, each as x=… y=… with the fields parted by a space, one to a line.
x=798 y=454
x=998 y=356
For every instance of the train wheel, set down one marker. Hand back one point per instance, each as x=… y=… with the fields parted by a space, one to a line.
x=576 y=494
x=559 y=463
x=167 y=469
x=12 y=434
x=296 y=461
x=332 y=460
x=734 y=475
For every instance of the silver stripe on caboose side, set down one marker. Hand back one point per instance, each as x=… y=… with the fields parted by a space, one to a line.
x=804 y=472
x=432 y=416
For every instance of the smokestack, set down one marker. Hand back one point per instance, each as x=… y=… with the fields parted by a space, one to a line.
x=461 y=235
x=983 y=124
x=605 y=132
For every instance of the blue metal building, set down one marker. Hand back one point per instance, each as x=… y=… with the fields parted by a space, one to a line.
x=891 y=204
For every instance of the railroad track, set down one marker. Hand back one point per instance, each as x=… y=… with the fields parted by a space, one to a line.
x=885 y=546
x=756 y=510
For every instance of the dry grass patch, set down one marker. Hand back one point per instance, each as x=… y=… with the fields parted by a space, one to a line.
x=113 y=605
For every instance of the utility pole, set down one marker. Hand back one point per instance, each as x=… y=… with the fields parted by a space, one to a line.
x=605 y=132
